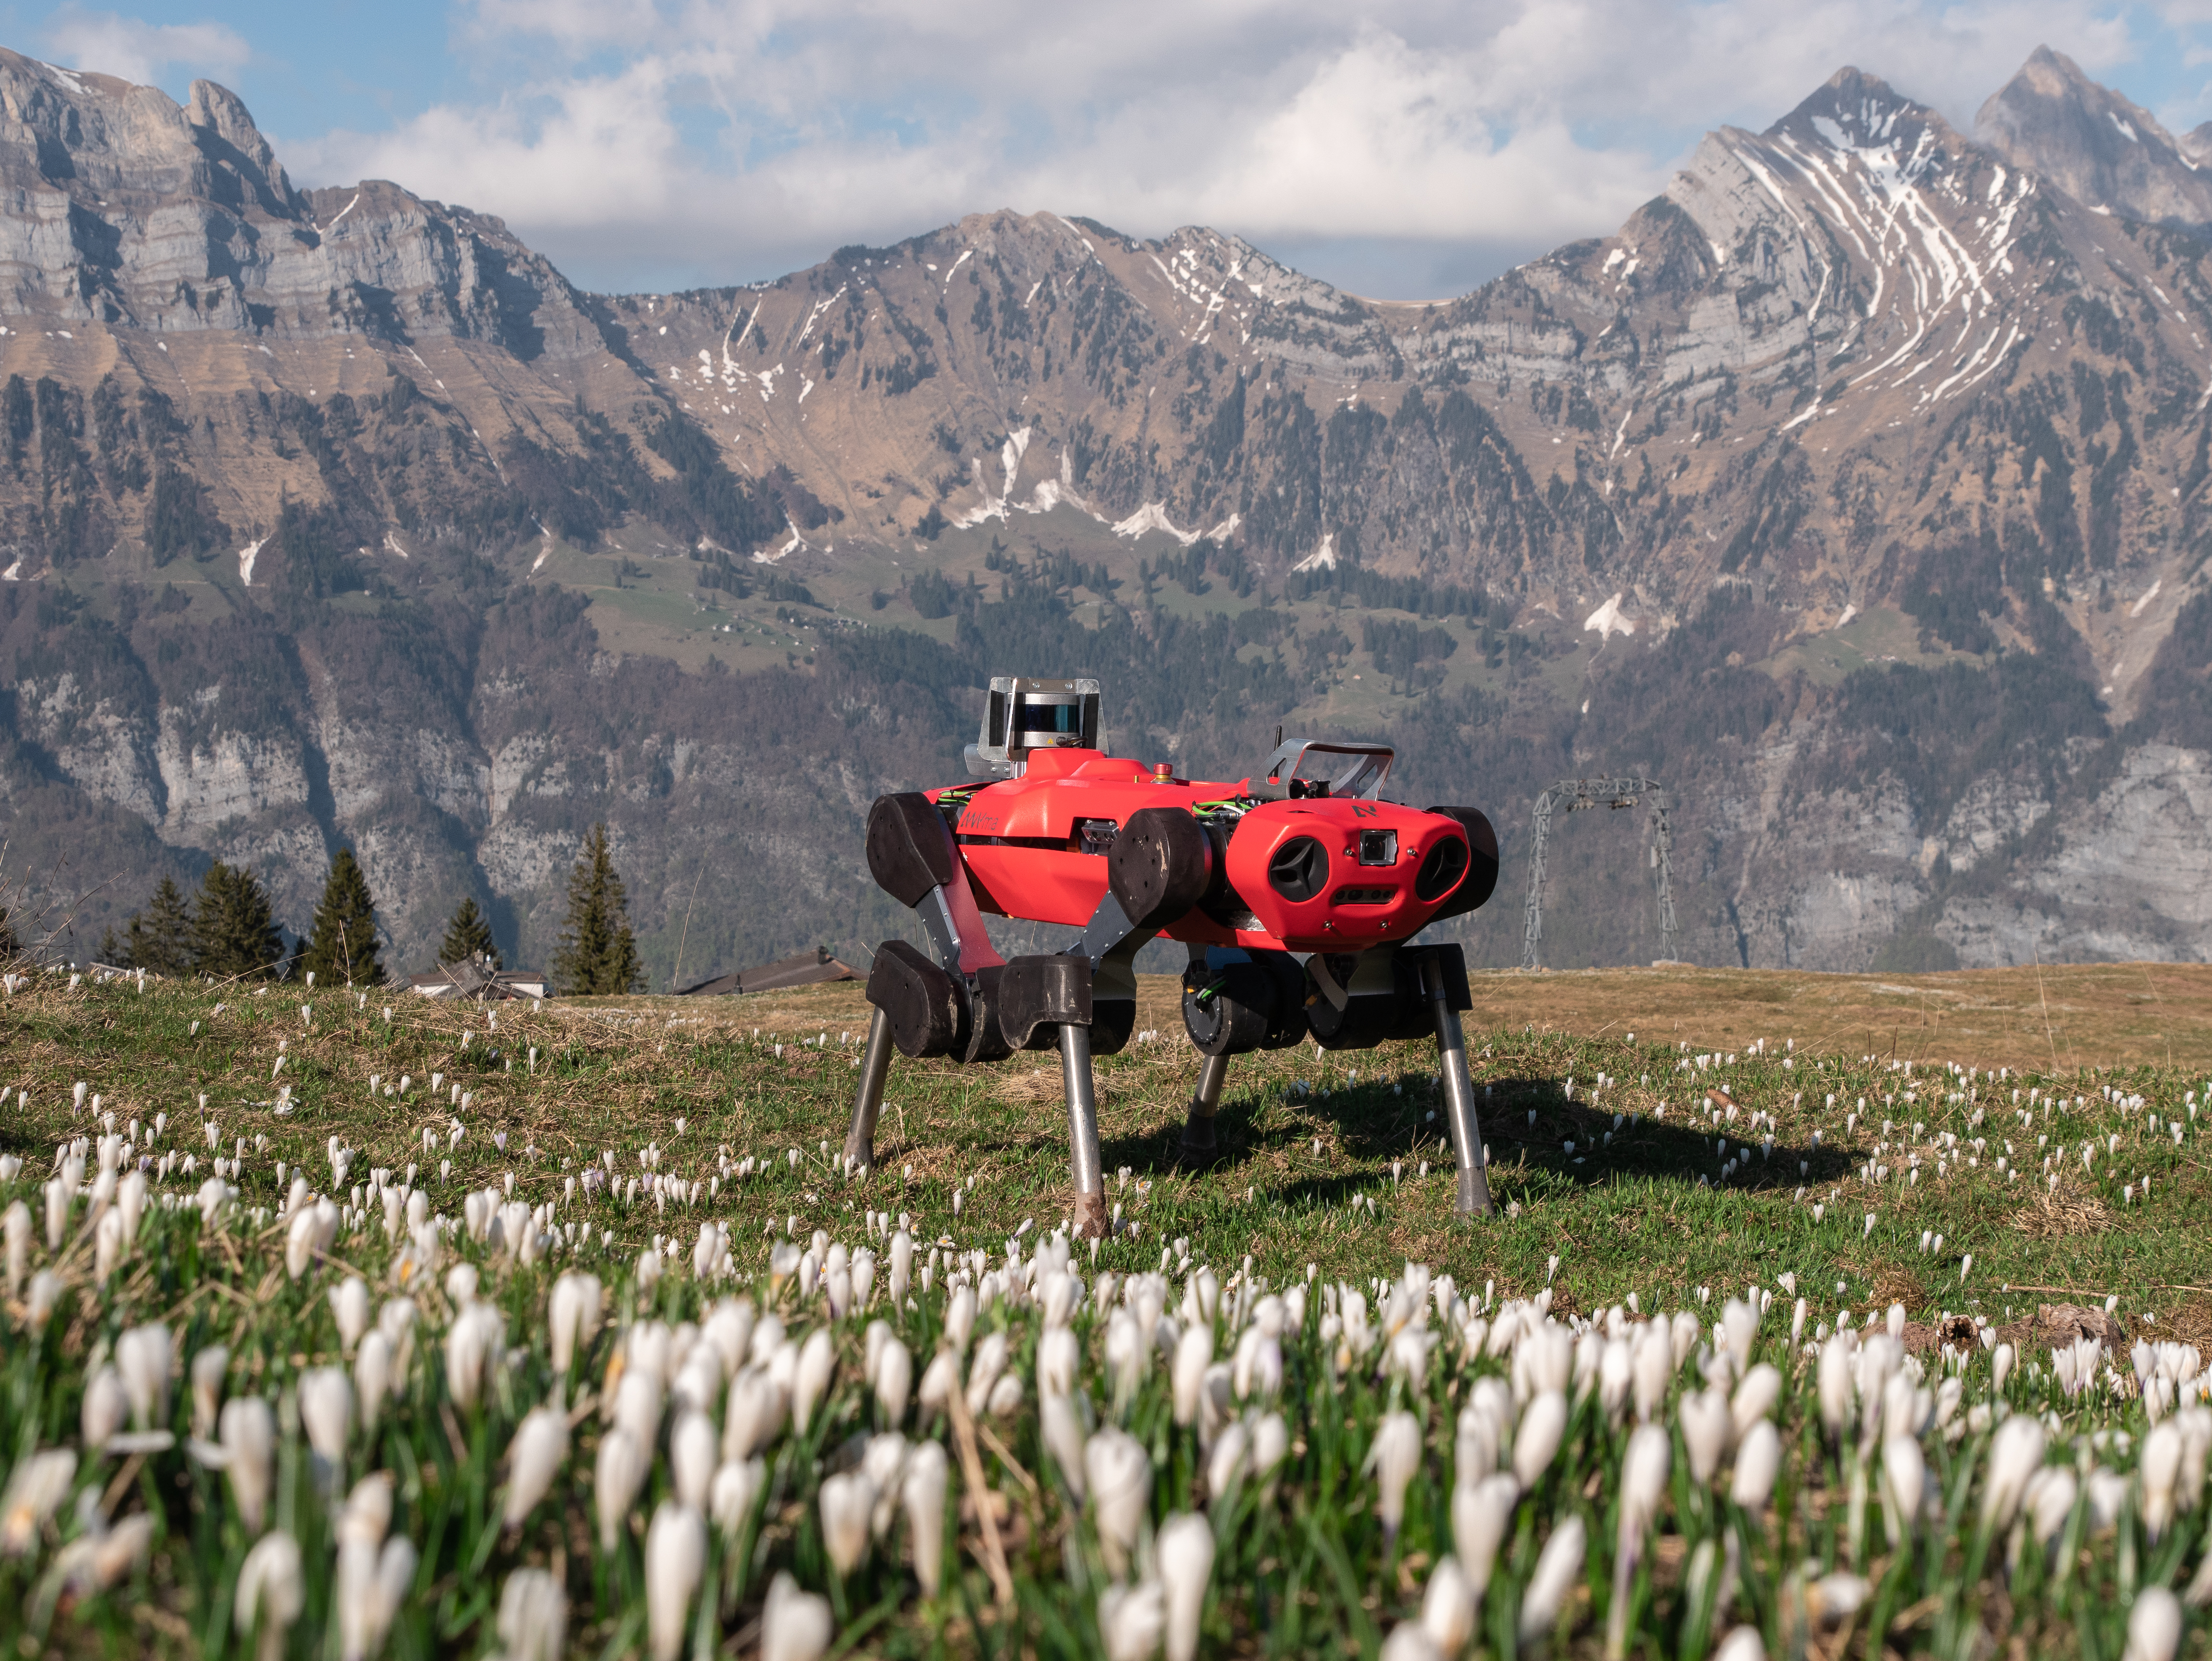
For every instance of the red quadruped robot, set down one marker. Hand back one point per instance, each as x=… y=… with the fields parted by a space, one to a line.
x=1304 y=860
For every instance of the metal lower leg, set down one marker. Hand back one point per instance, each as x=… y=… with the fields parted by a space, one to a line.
x=868 y=1095
x=1090 y=1214
x=1198 y=1128
x=1474 y=1199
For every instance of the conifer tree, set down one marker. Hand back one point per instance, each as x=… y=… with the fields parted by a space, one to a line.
x=468 y=936
x=234 y=933
x=598 y=953
x=158 y=940
x=342 y=950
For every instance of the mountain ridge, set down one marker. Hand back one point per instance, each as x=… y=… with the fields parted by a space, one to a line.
x=1855 y=395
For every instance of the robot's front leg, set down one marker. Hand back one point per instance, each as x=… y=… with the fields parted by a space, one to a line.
x=1474 y=1200
x=868 y=1095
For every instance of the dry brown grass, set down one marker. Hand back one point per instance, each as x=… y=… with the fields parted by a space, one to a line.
x=2072 y=1015
x=2070 y=1211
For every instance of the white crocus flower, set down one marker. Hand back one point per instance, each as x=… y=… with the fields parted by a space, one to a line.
x=1449 y=1607
x=1543 y=1424
x=272 y=1591
x=817 y=1360
x=1904 y=1477
x=922 y=1495
x=2154 y=1625
x=209 y=1368
x=617 y=1476
x=675 y=1559
x=350 y=1305
x=1558 y=1565
x=1482 y=1512
x=692 y=1458
x=1131 y=1620
x=736 y=1485
x=794 y=1625
x=534 y=1459
x=1194 y=1354
x=1758 y=1462
x=1120 y=1479
x=534 y=1616
x=847 y=1502
x=35 y=1492
x=141 y=1357
x=2015 y=1457
x=1706 y=1423
x=249 y=1445
x=1394 y=1456
x=326 y=1412
x=105 y=1409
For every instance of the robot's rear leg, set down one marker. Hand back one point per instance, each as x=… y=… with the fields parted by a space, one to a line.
x=868 y=1094
x=1198 y=1138
x=1088 y=1176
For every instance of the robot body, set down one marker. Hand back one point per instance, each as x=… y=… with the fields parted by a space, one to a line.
x=1303 y=860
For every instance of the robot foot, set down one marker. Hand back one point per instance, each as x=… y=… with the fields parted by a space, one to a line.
x=1090 y=1218
x=1199 y=1146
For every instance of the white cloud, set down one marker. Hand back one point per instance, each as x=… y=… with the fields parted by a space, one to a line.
x=138 y=50
x=737 y=138
x=583 y=152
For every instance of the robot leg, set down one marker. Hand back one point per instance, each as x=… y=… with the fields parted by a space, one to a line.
x=868 y=1094
x=1474 y=1199
x=1088 y=1176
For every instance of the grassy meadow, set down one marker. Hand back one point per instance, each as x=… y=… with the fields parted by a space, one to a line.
x=1774 y=1162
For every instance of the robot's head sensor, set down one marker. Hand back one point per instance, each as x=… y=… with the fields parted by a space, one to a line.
x=1023 y=713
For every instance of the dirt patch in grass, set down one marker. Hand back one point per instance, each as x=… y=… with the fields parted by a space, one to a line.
x=1891 y=1285
x=2052 y=1215
x=2191 y=1324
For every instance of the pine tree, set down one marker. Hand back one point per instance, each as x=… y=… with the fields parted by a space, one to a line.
x=158 y=940
x=342 y=947
x=598 y=953
x=235 y=932
x=468 y=937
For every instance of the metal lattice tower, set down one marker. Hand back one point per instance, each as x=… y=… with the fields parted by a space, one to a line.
x=1577 y=794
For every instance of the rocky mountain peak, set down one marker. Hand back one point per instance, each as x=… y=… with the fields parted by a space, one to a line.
x=1856 y=111
x=2104 y=151
x=130 y=209
x=81 y=133
x=227 y=135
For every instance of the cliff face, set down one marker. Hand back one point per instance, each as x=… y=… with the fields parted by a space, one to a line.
x=126 y=209
x=1856 y=487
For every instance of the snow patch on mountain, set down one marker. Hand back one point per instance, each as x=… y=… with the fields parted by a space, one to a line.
x=1153 y=516
x=1607 y=621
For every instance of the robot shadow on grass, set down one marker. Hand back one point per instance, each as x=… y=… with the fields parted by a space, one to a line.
x=1372 y=1123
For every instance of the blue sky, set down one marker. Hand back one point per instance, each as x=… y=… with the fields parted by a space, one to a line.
x=1407 y=149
